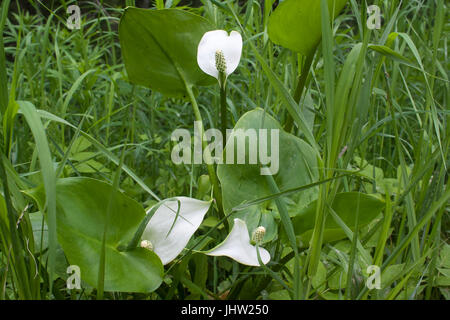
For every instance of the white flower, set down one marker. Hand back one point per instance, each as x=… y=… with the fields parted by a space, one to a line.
x=237 y=246
x=168 y=239
x=218 y=50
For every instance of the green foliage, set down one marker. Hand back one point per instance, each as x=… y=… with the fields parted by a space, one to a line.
x=163 y=61
x=346 y=206
x=243 y=182
x=86 y=207
x=362 y=116
x=295 y=24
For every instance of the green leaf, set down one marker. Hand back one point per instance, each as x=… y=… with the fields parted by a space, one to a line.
x=243 y=182
x=445 y=256
x=320 y=278
x=345 y=205
x=392 y=54
x=4 y=224
x=390 y=274
x=159 y=48
x=443 y=281
x=3 y=76
x=338 y=280
x=82 y=215
x=295 y=24
x=48 y=177
x=280 y=295
x=40 y=231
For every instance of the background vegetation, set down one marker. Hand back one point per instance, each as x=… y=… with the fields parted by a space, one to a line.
x=398 y=151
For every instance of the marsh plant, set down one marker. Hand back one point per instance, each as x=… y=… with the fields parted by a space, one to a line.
x=292 y=149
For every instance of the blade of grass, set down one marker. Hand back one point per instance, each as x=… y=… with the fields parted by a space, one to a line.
x=48 y=176
x=289 y=229
x=3 y=81
x=413 y=233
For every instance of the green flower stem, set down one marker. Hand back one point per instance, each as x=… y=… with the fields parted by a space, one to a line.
x=210 y=167
x=223 y=109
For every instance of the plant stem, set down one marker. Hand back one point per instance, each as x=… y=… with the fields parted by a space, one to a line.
x=209 y=165
x=300 y=87
x=223 y=111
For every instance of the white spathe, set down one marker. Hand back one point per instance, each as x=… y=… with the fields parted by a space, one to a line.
x=237 y=246
x=219 y=40
x=169 y=245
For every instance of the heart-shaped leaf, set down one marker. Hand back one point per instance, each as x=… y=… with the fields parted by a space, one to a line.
x=159 y=48
x=296 y=24
x=345 y=205
x=242 y=183
x=84 y=206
